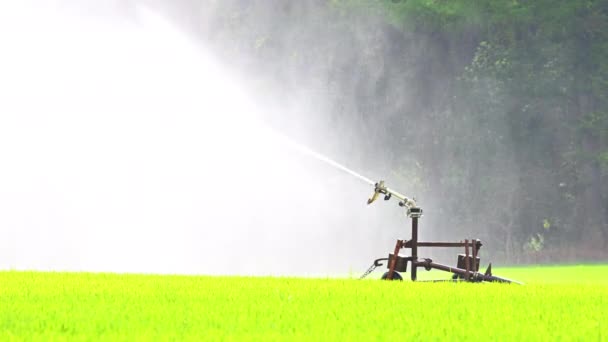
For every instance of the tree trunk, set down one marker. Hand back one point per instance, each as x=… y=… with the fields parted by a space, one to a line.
x=593 y=219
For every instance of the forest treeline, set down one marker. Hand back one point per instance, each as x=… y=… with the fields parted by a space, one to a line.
x=498 y=110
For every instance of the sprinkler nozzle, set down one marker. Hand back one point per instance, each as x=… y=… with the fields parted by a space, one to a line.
x=379 y=188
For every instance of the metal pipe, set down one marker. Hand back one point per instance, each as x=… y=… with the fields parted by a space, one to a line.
x=436 y=244
x=414 y=244
x=475 y=264
x=380 y=188
x=408 y=202
x=475 y=276
x=466 y=259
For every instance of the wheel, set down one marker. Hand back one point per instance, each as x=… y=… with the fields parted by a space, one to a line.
x=396 y=276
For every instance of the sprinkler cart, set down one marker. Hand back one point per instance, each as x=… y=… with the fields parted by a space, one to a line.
x=467 y=267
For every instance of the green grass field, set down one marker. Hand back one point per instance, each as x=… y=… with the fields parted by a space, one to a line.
x=557 y=303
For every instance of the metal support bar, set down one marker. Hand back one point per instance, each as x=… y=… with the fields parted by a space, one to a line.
x=391 y=269
x=414 y=247
x=475 y=263
x=408 y=244
x=466 y=260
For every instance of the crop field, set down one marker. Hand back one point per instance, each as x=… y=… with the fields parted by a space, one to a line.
x=557 y=303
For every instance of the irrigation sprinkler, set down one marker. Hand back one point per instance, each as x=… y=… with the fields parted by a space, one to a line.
x=467 y=267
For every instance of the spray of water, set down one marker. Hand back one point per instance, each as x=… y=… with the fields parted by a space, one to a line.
x=125 y=147
x=309 y=152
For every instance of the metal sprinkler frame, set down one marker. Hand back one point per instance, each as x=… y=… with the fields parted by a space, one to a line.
x=467 y=268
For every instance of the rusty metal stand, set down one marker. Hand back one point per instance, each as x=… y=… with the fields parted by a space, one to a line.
x=468 y=269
